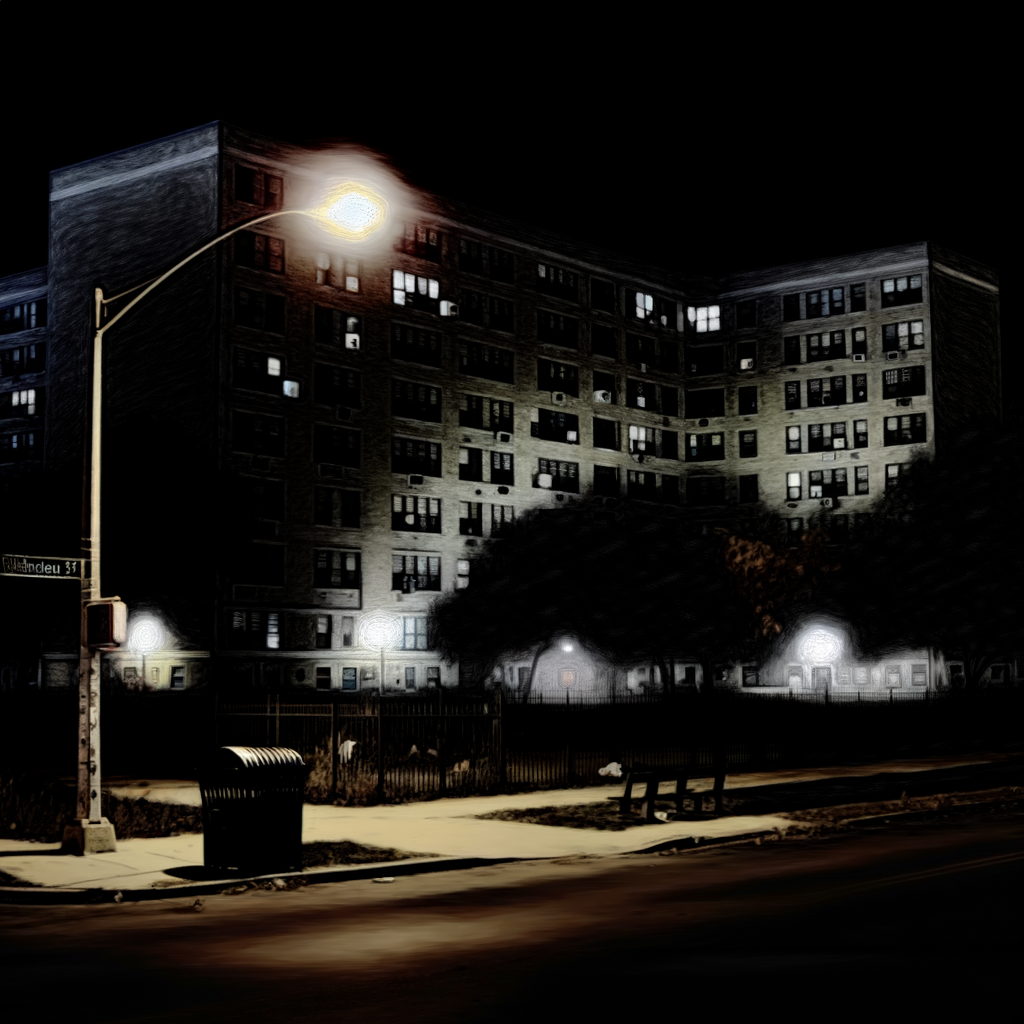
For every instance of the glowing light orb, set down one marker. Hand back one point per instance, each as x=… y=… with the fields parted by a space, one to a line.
x=354 y=210
x=380 y=632
x=145 y=635
x=821 y=645
x=566 y=647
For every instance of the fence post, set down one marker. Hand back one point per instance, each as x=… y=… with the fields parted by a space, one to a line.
x=500 y=743
x=569 y=768
x=277 y=721
x=334 y=748
x=380 y=748
x=442 y=775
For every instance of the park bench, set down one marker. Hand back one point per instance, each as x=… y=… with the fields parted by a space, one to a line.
x=653 y=777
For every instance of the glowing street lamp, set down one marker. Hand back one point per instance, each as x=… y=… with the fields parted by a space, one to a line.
x=145 y=636
x=380 y=632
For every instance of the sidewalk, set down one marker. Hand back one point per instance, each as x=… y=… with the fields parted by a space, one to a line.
x=445 y=832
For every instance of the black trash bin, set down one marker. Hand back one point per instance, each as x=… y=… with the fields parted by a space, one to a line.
x=252 y=810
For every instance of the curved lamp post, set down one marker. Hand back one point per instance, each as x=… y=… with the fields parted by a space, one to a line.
x=350 y=210
x=380 y=632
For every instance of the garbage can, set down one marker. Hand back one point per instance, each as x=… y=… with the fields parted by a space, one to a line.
x=252 y=810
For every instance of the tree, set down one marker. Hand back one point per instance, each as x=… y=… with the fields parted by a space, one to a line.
x=941 y=565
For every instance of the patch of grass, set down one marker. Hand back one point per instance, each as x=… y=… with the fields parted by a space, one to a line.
x=604 y=817
x=324 y=854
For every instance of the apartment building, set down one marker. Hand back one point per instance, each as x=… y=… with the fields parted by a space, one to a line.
x=305 y=441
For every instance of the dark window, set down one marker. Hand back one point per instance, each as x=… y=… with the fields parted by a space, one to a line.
x=553 y=425
x=606 y=481
x=415 y=345
x=337 y=329
x=606 y=434
x=262 y=252
x=747 y=400
x=746 y=355
x=502 y=415
x=860 y=476
x=262 y=499
x=858 y=298
x=258 y=434
x=602 y=295
x=258 y=187
x=557 y=281
x=826 y=391
x=324 y=626
x=641 y=353
x=748 y=489
x=903 y=382
x=261 y=565
x=906 y=337
x=556 y=329
x=641 y=485
x=336 y=445
x=604 y=383
x=603 y=341
x=410 y=573
x=478 y=360
x=827 y=483
x=826 y=437
x=860 y=433
x=323 y=672
x=470 y=519
x=670 y=489
x=414 y=513
x=892 y=475
x=827 y=302
x=486 y=261
x=647 y=442
x=421 y=241
x=748 y=444
x=471 y=411
x=705 y=447
x=558 y=377
x=901 y=291
x=335 y=385
x=471 y=464
x=255 y=371
x=260 y=311
x=704 y=404
x=701 y=361
x=705 y=490
x=826 y=346
x=859 y=346
x=19 y=446
x=642 y=394
x=860 y=387
x=565 y=476
x=746 y=313
x=23 y=316
x=24 y=359
x=792 y=394
x=503 y=468
x=486 y=310
x=791 y=307
x=415 y=401
x=336 y=508
x=791 y=351
x=910 y=429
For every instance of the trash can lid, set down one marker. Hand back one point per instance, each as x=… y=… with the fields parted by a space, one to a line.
x=258 y=757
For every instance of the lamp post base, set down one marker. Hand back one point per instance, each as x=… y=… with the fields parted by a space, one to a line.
x=89 y=837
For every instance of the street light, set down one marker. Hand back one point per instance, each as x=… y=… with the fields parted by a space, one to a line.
x=349 y=210
x=380 y=632
x=145 y=636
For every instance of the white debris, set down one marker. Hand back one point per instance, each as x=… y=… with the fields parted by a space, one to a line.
x=614 y=769
x=415 y=750
x=386 y=878
x=345 y=751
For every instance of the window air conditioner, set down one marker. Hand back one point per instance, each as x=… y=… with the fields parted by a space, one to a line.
x=859 y=357
x=572 y=436
x=827 y=502
x=352 y=341
x=545 y=480
x=415 y=480
x=746 y=364
x=449 y=308
x=602 y=396
x=558 y=397
x=903 y=401
x=504 y=438
x=892 y=355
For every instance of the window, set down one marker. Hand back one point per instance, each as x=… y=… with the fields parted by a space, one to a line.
x=903 y=382
x=704 y=447
x=859 y=346
x=606 y=434
x=603 y=341
x=826 y=437
x=746 y=313
x=704 y=319
x=349 y=679
x=641 y=485
x=748 y=489
x=705 y=490
x=647 y=442
x=486 y=261
x=669 y=489
x=16 y=447
x=415 y=291
x=335 y=385
x=258 y=187
x=860 y=480
x=860 y=387
x=502 y=468
x=177 y=677
x=471 y=464
x=747 y=401
x=415 y=513
x=323 y=632
x=434 y=676
x=410 y=573
x=421 y=241
x=563 y=476
x=337 y=446
x=556 y=329
x=604 y=385
x=827 y=302
x=606 y=481
x=22 y=316
x=602 y=295
x=827 y=483
x=858 y=298
x=905 y=337
x=792 y=392
x=701 y=404
x=260 y=564
x=323 y=677
x=893 y=676
x=793 y=440
x=336 y=508
x=557 y=281
x=791 y=351
x=258 y=434
x=486 y=310
x=703 y=361
x=838 y=530
x=822 y=347
x=901 y=291
x=259 y=310
x=556 y=426
x=26 y=402
x=746 y=355
x=344 y=273
x=415 y=401
x=501 y=517
x=255 y=371
x=652 y=397
x=262 y=252
x=905 y=429
x=502 y=416
x=793 y=491
x=748 y=444
x=794 y=531
x=919 y=674
x=860 y=433
x=24 y=359
x=336 y=569
x=337 y=329
x=410 y=677
x=414 y=632
x=252 y=630
x=791 y=307
x=892 y=475
x=826 y=391
x=413 y=455
x=795 y=675
x=641 y=352
x=558 y=377
x=486 y=413
x=261 y=499
x=470 y=518
x=415 y=345
x=478 y=360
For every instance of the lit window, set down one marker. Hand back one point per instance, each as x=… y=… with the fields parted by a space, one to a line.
x=793 y=486
x=462 y=573
x=273 y=367
x=273 y=631
x=901 y=291
x=861 y=480
x=414 y=290
x=704 y=318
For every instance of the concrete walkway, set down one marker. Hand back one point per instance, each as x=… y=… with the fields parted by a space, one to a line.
x=448 y=829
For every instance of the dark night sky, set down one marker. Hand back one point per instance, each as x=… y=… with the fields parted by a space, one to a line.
x=698 y=157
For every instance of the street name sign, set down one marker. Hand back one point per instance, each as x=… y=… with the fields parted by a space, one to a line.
x=41 y=567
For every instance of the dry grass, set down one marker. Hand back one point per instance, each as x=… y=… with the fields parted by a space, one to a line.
x=604 y=817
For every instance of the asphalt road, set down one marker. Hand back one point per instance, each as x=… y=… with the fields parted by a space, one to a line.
x=911 y=921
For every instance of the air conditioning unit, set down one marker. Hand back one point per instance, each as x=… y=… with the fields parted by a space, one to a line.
x=903 y=401
x=545 y=480
x=449 y=308
x=504 y=438
x=416 y=480
x=892 y=355
x=828 y=502
x=352 y=341
x=558 y=397
x=746 y=364
x=572 y=436
x=859 y=357
x=602 y=396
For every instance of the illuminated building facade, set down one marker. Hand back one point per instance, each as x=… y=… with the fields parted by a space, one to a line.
x=300 y=434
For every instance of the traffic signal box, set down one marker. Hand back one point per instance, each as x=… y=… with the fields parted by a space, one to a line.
x=106 y=624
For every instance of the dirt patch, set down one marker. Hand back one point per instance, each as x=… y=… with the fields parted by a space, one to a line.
x=604 y=817
x=322 y=855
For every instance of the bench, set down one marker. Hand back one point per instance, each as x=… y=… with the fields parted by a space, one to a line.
x=653 y=777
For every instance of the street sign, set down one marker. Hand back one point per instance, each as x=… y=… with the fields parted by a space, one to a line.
x=41 y=566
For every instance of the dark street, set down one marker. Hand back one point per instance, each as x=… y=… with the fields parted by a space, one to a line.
x=893 y=922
